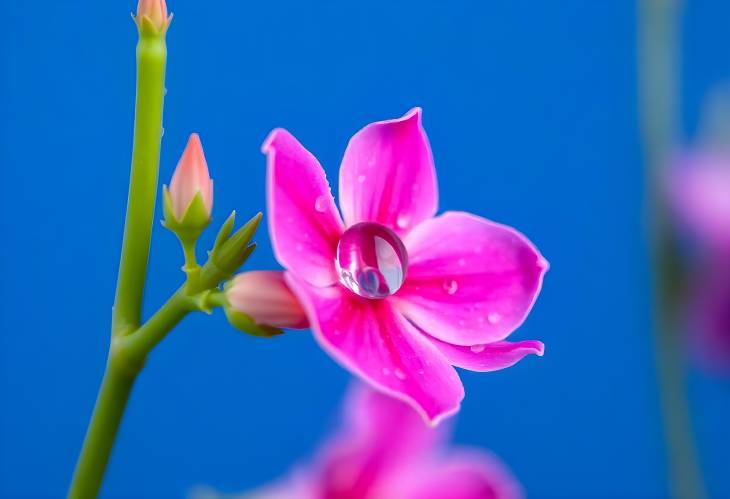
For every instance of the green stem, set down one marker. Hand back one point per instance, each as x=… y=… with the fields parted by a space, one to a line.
x=122 y=369
x=126 y=358
x=151 y=58
x=135 y=347
x=108 y=411
x=659 y=106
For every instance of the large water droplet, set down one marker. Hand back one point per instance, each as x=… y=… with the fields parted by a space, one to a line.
x=494 y=317
x=477 y=348
x=371 y=260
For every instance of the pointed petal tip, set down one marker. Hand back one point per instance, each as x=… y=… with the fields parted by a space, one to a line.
x=271 y=139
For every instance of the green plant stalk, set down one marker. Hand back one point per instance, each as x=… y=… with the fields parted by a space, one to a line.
x=151 y=60
x=659 y=107
x=121 y=372
x=126 y=358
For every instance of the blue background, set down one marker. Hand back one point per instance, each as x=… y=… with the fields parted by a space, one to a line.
x=532 y=115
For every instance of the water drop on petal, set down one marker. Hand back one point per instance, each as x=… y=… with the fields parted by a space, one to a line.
x=371 y=260
x=477 y=348
x=320 y=203
x=361 y=178
x=402 y=221
x=450 y=286
x=494 y=318
x=399 y=374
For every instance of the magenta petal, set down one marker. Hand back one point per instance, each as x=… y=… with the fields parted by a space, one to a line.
x=381 y=436
x=387 y=175
x=373 y=341
x=490 y=357
x=470 y=281
x=464 y=474
x=303 y=219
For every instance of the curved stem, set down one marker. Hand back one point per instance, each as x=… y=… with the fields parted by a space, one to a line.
x=126 y=358
x=659 y=108
x=135 y=347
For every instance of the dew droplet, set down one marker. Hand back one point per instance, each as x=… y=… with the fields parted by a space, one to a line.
x=461 y=262
x=399 y=374
x=371 y=260
x=451 y=286
x=386 y=371
x=494 y=318
x=361 y=178
x=421 y=372
x=320 y=203
x=477 y=348
x=403 y=220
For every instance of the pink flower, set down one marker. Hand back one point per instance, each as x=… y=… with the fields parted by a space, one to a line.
x=384 y=450
x=699 y=196
x=155 y=11
x=394 y=294
x=264 y=297
x=190 y=178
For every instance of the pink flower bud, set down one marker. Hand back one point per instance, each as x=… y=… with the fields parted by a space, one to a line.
x=264 y=296
x=155 y=11
x=191 y=177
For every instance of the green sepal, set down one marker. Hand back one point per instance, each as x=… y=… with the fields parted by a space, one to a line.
x=230 y=252
x=147 y=28
x=195 y=219
x=246 y=324
x=230 y=255
x=225 y=231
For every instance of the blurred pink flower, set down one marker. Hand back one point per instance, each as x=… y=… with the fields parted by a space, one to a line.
x=384 y=450
x=190 y=178
x=699 y=195
x=394 y=294
x=699 y=188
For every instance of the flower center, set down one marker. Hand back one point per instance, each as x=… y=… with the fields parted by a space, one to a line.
x=371 y=260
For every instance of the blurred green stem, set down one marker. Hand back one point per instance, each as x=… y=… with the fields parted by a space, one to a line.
x=658 y=49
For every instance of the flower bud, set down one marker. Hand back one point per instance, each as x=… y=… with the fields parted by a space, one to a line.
x=190 y=178
x=264 y=297
x=155 y=11
x=189 y=199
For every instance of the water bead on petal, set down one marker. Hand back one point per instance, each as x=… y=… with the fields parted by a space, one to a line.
x=371 y=260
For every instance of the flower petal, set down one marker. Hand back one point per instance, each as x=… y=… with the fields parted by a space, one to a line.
x=463 y=474
x=381 y=436
x=387 y=175
x=370 y=339
x=470 y=281
x=489 y=357
x=303 y=219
